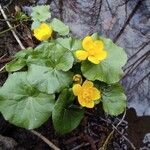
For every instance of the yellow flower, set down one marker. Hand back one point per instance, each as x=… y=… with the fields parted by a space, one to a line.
x=77 y=78
x=93 y=50
x=86 y=93
x=43 y=32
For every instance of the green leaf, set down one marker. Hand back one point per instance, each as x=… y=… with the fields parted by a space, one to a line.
x=76 y=44
x=35 y=24
x=21 y=16
x=59 y=27
x=65 y=42
x=20 y=60
x=53 y=55
x=95 y=36
x=114 y=100
x=70 y=43
x=41 y=13
x=24 y=53
x=22 y=104
x=15 y=65
x=110 y=69
x=49 y=79
x=65 y=119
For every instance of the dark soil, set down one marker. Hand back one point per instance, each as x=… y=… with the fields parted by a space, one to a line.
x=127 y=25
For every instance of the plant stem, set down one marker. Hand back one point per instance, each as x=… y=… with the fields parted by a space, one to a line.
x=8 y=29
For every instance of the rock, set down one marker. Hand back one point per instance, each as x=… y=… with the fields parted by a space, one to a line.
x=7 y=143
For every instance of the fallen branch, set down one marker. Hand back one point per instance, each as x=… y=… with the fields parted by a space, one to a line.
x=51 y=145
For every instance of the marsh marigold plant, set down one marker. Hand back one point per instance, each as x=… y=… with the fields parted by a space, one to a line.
x=62 y=77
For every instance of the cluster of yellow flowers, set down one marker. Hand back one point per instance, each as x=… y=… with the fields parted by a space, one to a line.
x=94 y=51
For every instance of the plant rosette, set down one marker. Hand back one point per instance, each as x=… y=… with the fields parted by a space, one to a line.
x=62 y=77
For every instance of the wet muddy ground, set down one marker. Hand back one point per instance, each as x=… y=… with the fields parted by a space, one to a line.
x=127 y=22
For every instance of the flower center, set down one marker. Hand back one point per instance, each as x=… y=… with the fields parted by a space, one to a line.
x=86 y=95
x=91 y=50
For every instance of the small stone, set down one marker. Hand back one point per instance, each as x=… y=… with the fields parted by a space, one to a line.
x=7 y=143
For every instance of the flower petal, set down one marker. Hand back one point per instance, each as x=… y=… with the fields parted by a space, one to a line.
x=89 y=104
x=99 y=45
x=95 y=94
x=77 y=89
x=87 y=42
x=81 y=101
x=94 y=59
x=81 y=55
x=84 y=103
x=101 y=55
x=87 y=84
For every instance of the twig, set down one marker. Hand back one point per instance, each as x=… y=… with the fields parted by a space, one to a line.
x=106 y=141
x=0 y=60
x=131 y=144
x=9 y=29
x=51 y=145
x=111 y=133
x=8 y=20
x=2 y=68
x=10 y=26
x=3 y=56
x=14 y=34
x=82 y=145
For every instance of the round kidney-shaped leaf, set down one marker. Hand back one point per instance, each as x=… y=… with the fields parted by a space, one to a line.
x=110 y=69
x=59 y=27
x=48 y=79
x=70 y=43
x=114 y=100
x=41 y=13
x=52 y=55
x=22 y=104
